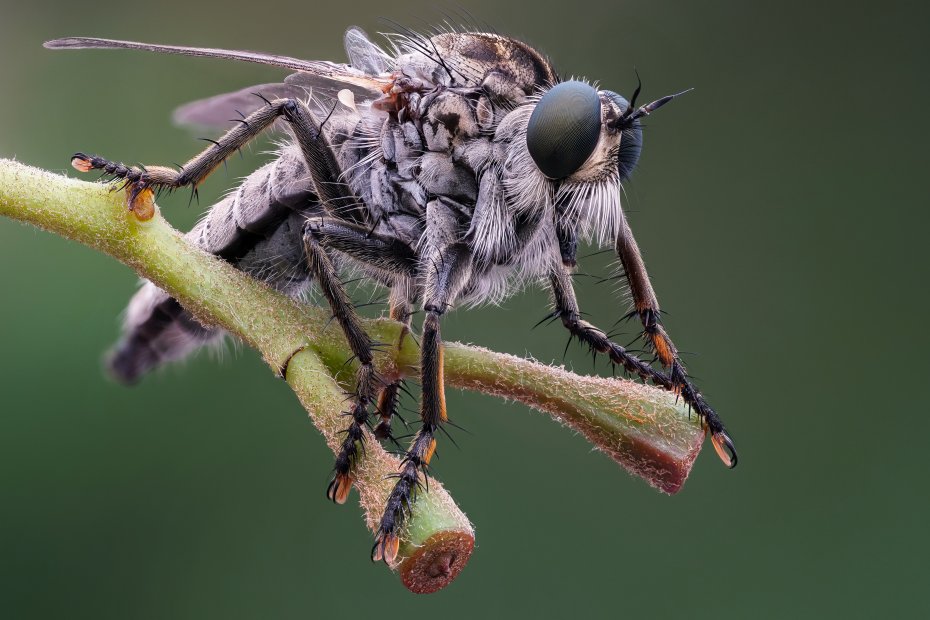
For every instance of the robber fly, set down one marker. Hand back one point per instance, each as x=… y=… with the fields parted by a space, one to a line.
x=451 y=168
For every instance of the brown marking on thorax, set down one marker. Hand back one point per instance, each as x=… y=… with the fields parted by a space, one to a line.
x=477 y=55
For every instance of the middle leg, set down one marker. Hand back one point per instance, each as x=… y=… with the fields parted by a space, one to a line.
x=389 y=260
x=446 y=271
x=388 y=400
x=326 y=276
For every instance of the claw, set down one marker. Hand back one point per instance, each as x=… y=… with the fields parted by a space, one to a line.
x=81 y=163
x=339 y=487
x=725 y=448
x=386 y=548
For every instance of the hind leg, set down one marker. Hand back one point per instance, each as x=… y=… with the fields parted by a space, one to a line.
x=324 y=170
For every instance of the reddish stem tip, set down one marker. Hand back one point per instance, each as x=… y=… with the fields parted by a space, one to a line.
x=437 y=562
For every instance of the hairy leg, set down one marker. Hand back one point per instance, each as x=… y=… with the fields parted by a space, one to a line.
x=646 y=306
x=446 y=270
x=566 y=308
x=393 y=263
x=389 y=397
x=387 y=258
x=324 y=170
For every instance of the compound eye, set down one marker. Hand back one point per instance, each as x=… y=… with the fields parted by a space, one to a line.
x=564 y=128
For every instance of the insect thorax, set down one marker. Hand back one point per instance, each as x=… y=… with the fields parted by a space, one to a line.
x=448 y=137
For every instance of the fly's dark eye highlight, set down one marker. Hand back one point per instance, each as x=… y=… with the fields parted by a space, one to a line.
x=564 y=128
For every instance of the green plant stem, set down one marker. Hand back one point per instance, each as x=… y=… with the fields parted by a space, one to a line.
x=642 y=428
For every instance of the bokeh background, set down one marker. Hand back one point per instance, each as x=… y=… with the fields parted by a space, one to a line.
x=782 y=207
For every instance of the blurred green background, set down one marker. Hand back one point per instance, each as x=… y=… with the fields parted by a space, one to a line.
x=782 y=210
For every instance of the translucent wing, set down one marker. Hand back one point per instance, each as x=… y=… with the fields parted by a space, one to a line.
x=365 y=55
x=321 y=78
x=331 y=71
x=220 y=111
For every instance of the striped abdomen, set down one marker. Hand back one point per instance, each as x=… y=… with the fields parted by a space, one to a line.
x=257 y=228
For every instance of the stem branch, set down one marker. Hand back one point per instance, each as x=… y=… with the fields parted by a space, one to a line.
x=642 y=428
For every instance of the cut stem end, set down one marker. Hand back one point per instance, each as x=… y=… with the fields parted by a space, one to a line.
x=437 y=562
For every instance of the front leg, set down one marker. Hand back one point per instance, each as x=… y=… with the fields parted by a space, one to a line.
x=566 y=308
x=646 y=305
